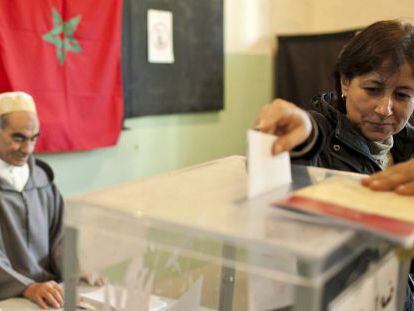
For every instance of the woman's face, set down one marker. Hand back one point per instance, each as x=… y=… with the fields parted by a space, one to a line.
x=380 y=104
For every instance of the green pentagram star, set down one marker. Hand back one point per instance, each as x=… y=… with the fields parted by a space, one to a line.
x=61 y=35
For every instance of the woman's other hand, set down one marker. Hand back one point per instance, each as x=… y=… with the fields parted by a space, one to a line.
x=398 y=178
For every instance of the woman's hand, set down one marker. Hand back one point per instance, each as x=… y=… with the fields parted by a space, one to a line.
x=290 y=123
x=398 y=178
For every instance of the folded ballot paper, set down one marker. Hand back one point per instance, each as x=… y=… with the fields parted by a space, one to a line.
x=265 y=171
x=347 y=201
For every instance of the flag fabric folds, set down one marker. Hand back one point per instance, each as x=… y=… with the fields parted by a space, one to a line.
x=67 y=55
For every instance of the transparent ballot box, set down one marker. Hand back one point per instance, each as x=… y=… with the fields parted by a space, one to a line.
x=191 y=240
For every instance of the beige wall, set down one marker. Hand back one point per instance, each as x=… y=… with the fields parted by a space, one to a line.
x=337 y=15
x=251 y=25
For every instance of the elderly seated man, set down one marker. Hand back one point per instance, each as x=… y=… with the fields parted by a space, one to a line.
x=31 y=209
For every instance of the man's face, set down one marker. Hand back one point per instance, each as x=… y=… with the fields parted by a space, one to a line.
x=18 y=137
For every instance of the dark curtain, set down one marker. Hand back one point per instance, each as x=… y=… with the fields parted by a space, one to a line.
x=195 y=81
x=305 y=65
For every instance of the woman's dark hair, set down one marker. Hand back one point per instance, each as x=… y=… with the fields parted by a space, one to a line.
x=391 y=41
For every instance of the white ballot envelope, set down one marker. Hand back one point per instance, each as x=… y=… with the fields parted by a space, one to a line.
x=265 y=171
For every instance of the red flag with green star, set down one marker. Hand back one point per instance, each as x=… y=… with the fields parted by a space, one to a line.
x=67 y=55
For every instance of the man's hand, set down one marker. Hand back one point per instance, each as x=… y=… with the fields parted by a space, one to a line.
x=284 y=119
x=46 y=295
x=92 y=279
x=398 y=178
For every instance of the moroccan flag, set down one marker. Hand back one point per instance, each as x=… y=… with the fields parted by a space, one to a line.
x=67 y=55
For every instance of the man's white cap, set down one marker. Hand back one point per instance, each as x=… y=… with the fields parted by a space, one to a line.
x=16 y=101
